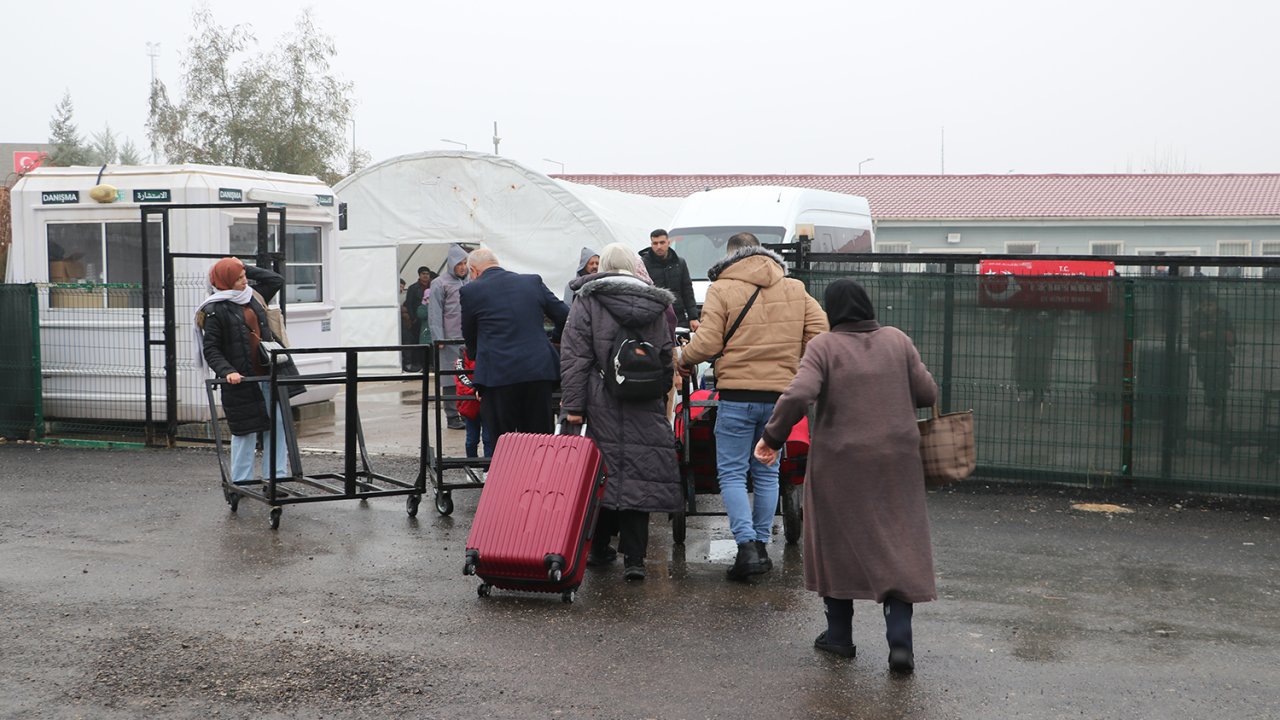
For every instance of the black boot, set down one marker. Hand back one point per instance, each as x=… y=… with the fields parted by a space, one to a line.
x=633 y=568
x=897 y=630
x=765 y=563
x=837 y=639
x=747 y=563
x=601 y=555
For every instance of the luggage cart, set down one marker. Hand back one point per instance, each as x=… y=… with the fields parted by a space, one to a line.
x=473 y=469
x=695 y=445
x=355 y=482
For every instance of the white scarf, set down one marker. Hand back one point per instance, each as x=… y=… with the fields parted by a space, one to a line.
x=239 y=297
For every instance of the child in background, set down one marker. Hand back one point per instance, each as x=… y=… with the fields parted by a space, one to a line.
x=469 y=409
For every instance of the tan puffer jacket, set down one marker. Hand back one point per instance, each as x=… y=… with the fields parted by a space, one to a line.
x=764 y=354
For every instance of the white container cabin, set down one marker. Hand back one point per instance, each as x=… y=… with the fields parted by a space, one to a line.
x=91 y=337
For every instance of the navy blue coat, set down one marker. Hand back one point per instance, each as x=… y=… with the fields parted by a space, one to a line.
x=502 y=316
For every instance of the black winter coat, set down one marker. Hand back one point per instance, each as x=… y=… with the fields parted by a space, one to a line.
x=672 y=273
x=634 y=436
x=226 y=350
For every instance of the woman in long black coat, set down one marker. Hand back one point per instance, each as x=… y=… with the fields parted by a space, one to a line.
x=233 y=324
x=633 y=435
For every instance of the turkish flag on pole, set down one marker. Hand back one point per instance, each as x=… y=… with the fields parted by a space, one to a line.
x=27 y=160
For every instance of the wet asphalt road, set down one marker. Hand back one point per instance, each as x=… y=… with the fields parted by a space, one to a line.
x=128 y=590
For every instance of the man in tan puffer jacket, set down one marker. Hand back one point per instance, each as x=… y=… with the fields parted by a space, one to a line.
x=754 y=367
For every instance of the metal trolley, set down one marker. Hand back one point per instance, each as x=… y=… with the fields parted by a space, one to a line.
x=357 y=481
x=695 y=445
x=473 y=469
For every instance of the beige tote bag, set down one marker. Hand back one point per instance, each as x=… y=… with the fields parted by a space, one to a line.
x=947 y=447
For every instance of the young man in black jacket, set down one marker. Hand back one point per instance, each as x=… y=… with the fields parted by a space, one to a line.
x=669 y=271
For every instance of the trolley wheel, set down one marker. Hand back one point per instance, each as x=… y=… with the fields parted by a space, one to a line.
x=411 y=505
x=792 y=512
x=678 y=527
x=567 y=597
x=232 y=498
x=275 y=518
x=1267 y=456
x=444 y=502
x=484 y=589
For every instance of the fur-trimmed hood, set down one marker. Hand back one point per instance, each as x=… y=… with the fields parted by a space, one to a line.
x=756 y=265
x=629 y=299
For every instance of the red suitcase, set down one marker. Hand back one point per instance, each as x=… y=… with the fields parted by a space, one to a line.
x=536 y=514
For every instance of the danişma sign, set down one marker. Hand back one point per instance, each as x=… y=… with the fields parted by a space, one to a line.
x=60 y=197
x=1046 y=284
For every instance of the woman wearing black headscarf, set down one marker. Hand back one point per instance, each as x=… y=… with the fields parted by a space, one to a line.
x=866 y=526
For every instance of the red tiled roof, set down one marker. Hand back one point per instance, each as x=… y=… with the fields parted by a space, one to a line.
x=937 y=197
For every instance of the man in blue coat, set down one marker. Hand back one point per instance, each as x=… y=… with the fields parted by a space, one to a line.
x=502 y=324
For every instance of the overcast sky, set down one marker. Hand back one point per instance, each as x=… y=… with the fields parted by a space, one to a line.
x=788 y=86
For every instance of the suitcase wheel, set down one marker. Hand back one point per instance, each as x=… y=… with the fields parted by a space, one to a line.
x=484 y=589
x=473 y=559
x=555 y=565
x=568 y=596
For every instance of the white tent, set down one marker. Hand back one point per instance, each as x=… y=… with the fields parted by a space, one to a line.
x=533 y=223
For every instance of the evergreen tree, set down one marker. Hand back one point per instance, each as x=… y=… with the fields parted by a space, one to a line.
x=64 y=137
x=103 y=149
x=129 y=153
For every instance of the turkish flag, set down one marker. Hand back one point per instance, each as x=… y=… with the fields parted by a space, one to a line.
x=27 y=160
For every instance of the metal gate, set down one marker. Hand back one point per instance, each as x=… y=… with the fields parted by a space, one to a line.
x=169 y=329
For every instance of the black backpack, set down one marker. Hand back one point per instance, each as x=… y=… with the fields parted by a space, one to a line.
x=633 y=370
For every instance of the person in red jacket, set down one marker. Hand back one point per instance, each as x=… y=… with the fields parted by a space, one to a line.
x=469 y=409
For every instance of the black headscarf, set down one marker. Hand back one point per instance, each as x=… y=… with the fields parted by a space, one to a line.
x=847 y=302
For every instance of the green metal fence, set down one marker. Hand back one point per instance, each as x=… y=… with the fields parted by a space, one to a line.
x=21 y=413
x=1171 y=386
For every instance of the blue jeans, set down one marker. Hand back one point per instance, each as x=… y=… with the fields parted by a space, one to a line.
x=474 y=431
x=243 y=456
x=738 y=426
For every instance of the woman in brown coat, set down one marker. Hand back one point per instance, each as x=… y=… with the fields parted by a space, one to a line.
x=867 y=528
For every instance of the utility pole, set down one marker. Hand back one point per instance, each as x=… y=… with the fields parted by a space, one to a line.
x=496 y=139
x=943 y=150
x=153 y=52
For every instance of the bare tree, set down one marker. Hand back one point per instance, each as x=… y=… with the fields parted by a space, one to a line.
x=282 y=111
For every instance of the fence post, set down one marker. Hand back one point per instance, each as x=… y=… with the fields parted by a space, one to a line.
x=1173 y=374
x=1126 y=392
x=948 y=333
x=37 y=375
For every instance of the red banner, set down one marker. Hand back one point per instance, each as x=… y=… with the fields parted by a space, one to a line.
x=27 y=160
x=1045 y=284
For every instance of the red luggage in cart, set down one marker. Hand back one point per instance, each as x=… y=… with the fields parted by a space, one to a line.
x=536 y=514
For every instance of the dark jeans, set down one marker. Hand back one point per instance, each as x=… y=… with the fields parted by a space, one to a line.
x=522 y=407
x=631 y=527
x=475 y=429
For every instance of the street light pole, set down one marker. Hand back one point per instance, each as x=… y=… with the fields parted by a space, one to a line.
x=557 y=162
x=153 y=52
x=455 y=142
x=863 y=162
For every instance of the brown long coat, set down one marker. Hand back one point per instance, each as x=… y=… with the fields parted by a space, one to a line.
x=866 y=525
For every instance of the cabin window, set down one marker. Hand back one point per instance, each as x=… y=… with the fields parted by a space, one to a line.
x=304 y=257
x=94 y=253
